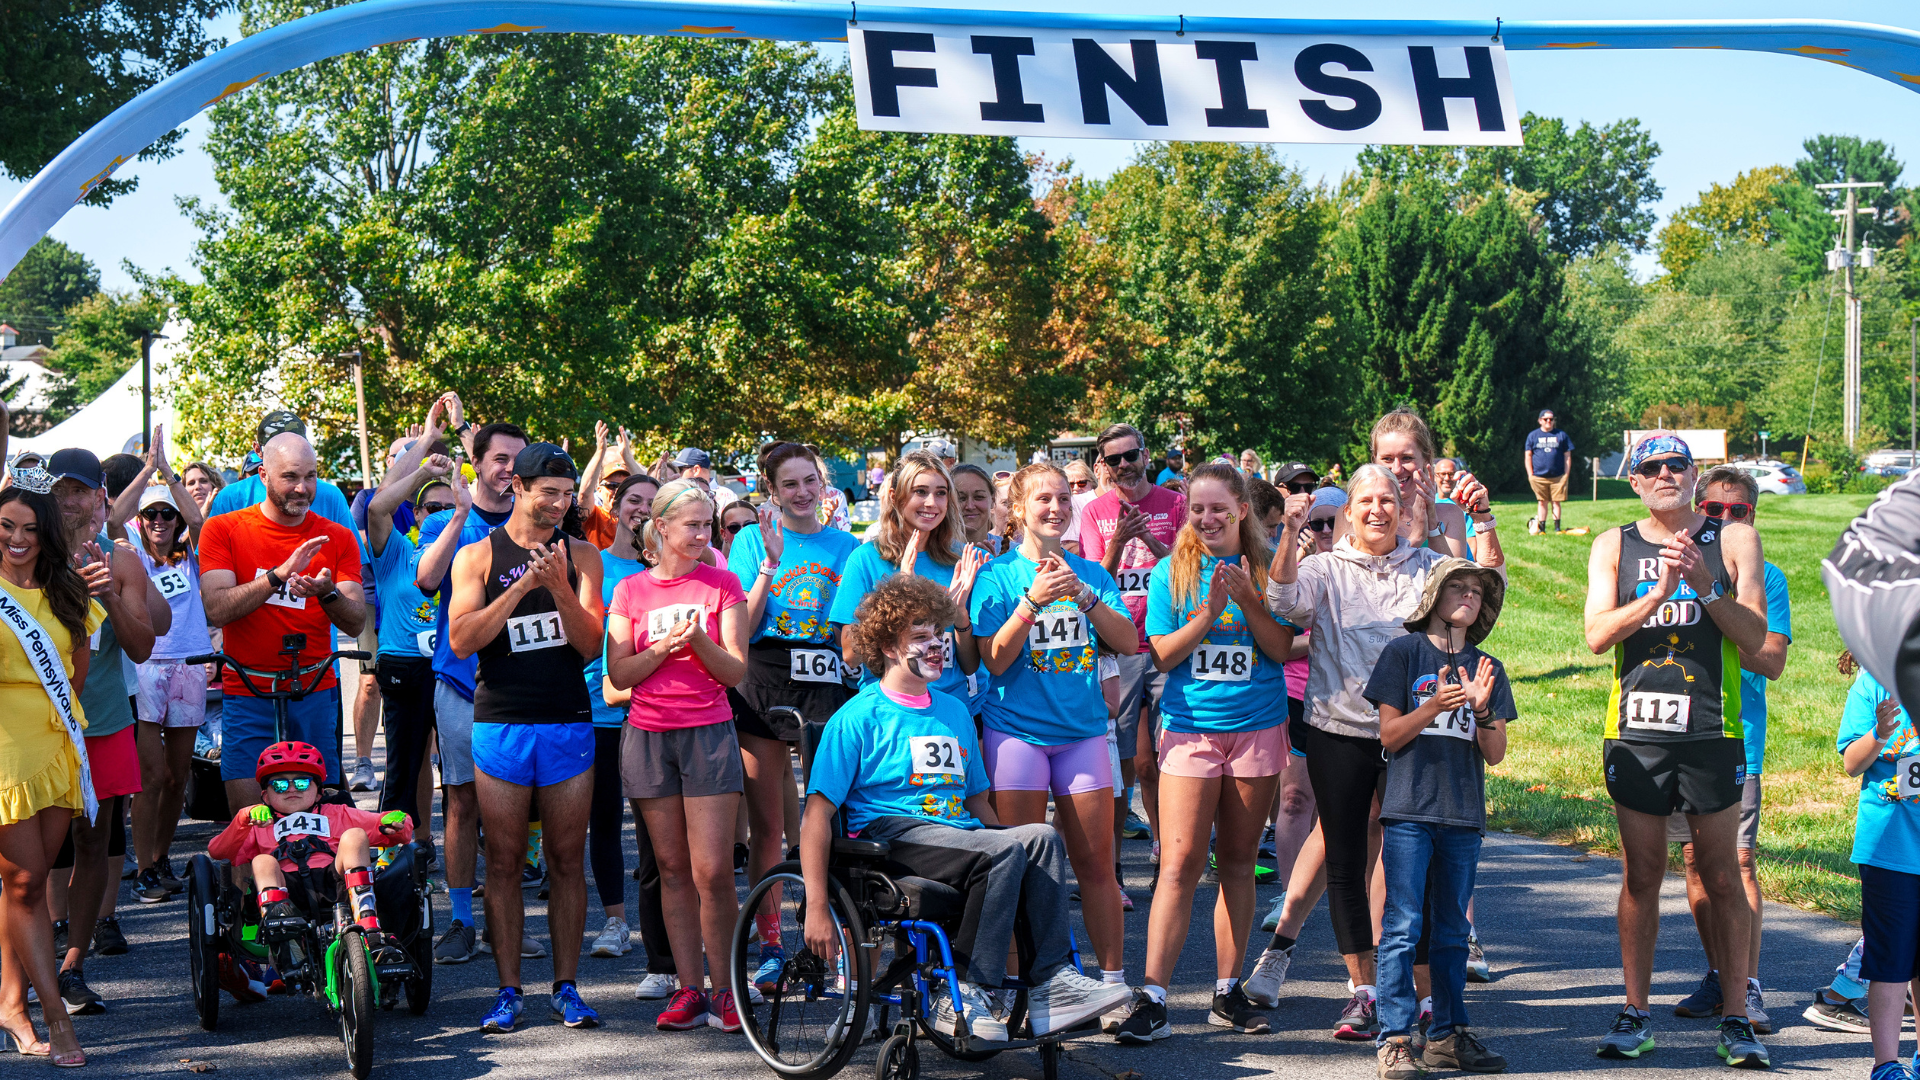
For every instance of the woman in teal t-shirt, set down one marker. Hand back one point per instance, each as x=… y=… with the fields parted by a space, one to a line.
x=1038 y=610
x=1224 y=715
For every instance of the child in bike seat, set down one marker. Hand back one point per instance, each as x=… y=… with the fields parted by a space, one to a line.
x=904 y=762
x=293 y=829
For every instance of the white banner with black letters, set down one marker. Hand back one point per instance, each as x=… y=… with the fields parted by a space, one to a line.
x=1129 y=84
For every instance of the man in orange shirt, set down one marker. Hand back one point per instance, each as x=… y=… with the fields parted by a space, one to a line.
x=268 y=571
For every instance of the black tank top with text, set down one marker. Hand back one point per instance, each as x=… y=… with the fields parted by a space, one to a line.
x=528 y=674
x=1676 y=678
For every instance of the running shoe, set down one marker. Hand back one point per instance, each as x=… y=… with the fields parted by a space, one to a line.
x=234 y=980
x=1705 y=999
x=1069 y=998
x=59 y=939
x=1360 y=1020
x=1145 y=1022
x=148 y=888
x=1740 y=1046
x=721 y=1012
x=1422 y=1025
x=1397 y=1060
x=530 y=874
x=1134 y=829
x=1126 y=902
x=107 y=938
x=981 y=1022
x=1756 y=1009
x=614 y=940
x=655 y=987
x=1630 y=1037
x=174 y=884
x=1154 y=858
x=505 y=1012
x=1462 y=1051
x=571 y=1011
x=1477 y=969
x=1269 y=975
x=1892 y=1070
x=1846 y=1015
x=687 y=1010
x=363 y=779
x=78 y=996
x=1232 y=1010
x=1267 y=853
x=773 y=960
x=1272 y=920
x=456 y=946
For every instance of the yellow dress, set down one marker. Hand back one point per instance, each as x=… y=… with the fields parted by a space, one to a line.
x=38 y=766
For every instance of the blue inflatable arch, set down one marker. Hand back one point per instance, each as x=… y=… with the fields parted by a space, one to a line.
x=1885 y=52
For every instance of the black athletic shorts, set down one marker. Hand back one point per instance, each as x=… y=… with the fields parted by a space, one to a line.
x=769 y=684
x=1704 y=776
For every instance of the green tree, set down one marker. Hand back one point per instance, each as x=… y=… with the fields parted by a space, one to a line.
x=1222 y=248
x=1748 y=211
x=49 y=279
x=100 y=341
x=65 y=65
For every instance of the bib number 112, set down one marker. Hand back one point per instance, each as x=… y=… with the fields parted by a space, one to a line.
x=1649 y=711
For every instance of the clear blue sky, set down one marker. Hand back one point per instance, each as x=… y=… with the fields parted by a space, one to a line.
x=1713 y=113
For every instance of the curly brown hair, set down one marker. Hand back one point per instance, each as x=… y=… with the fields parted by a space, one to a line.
x=890 y=610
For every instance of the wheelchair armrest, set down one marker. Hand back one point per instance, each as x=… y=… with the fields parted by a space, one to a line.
x=861 y=849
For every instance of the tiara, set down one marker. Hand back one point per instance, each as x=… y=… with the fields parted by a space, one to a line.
x=33 y=478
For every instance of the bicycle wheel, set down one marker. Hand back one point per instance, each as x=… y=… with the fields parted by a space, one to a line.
x=815 y=1012
x=420 y=988
x=203 y=939
x=355 y=977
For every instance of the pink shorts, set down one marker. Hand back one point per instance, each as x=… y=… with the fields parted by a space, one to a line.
x=1067 y=769
x=1205 y=755
x=172 y=694
x=114 y=761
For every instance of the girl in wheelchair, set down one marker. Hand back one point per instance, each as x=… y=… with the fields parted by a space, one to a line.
x=292 y=830
x=904 y=763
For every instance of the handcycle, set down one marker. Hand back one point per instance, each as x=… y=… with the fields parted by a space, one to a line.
x=332 y=960
x=814 y=1015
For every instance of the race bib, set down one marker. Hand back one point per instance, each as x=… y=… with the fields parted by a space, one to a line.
x=1457 y=724
x=172 y=582
x=302 y=825
x=93 y=641
x=1906 y=776
x=1649 y=711
x=938 y=754
x=813 y=665
x=660 y=621
x=1058 y=630
x=1221 y=663
x=530 y=632
x=426 y=640
x=279 y=597
x=1133 y=582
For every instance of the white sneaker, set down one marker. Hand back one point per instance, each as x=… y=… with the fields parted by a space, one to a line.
x=613 y=940
x=1070 y=998
x=1269 y=975
x=980 y=1019
x=1111 y=1020
x=656 y=987
x=1272 y=921
x=363 y=779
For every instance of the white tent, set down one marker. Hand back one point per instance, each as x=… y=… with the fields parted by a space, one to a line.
x=110 y=423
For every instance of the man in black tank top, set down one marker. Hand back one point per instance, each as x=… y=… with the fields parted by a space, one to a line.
x=527 y=601
x=1676 y=596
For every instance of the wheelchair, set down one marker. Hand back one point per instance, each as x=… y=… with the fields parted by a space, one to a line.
x=815 y=1015
x=332 y=960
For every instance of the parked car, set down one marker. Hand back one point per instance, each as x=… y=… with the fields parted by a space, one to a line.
x=1774 y=477
x=1888 y=463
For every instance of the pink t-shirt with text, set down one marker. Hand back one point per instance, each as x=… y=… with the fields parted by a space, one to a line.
x=1165 y=511
x=680 y=693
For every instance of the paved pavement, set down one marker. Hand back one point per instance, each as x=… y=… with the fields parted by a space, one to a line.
x=1546 y=916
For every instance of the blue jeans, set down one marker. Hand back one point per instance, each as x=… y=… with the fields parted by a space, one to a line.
x=1419 y=858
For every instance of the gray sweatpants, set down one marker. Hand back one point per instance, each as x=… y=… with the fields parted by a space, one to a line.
x=1873 y=576
x=1004 y=874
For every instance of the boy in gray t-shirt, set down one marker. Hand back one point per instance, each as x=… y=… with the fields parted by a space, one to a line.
x=1444 y=706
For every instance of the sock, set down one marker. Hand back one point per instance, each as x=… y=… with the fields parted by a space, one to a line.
x=1157 y=993
x=559 y=983
x=360 y=888
x=462 y=900
x=271 y=895
x=1281 y=943
x=1126 y=798
x=769 y=924
x=1224 y=986
x=1113 y=978
x=533 y=843
x=1641 y=1013
x=1364 y=988
x=1426 y=1004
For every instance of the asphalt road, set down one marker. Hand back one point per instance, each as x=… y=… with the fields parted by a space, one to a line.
x=1546 y=919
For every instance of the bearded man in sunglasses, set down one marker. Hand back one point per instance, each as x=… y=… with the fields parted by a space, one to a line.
x=1678 y=596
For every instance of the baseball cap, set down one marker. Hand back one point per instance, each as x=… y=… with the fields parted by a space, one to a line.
x=1174 y=451
x=1329 y=496
x=279 y=422
x=1544 y=413
x=543 y=459
x=1659 y=445
x=74 y=463
x=1291 y=471
x=157 y=494
x=692 y=457
x=941 y=448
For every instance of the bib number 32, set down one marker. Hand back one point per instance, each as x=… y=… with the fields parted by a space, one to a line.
x=939 y=754
x=1649 y=711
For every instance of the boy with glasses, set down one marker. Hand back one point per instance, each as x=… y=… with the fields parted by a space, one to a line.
x=1548 y=456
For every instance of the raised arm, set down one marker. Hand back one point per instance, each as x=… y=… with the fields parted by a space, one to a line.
x=431 y=572
x=1742 y=614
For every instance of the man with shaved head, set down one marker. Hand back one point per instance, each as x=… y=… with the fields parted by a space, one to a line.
x=267 y=571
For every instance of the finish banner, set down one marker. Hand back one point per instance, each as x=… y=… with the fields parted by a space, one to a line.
x=1132 y=84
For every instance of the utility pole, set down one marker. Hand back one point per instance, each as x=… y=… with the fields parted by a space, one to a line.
x=360 y=411
x=1844 y=258
x=147 y=338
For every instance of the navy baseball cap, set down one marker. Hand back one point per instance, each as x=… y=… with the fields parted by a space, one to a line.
x=74 y=463
x=540 y=459
x=692 y=457
x=1544 y=413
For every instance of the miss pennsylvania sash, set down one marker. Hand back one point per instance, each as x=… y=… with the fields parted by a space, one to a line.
x=53 y=678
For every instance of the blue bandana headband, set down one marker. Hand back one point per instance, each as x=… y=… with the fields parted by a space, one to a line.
x=1658 y=446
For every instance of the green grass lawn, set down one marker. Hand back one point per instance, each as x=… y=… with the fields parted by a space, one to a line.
x=1550 y=784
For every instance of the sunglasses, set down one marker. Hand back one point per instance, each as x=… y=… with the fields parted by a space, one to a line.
x=1125 y=457
x=1324 y=524
x=160 y=513
x=733 y=527
x=1674 y=466
x=432 y=508
x=1724 y=510
x=1301 y=487
x=282 y=784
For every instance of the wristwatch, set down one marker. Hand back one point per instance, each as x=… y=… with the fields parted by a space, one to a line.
x=276 y=581
x=1714 y=593
x=330 y=597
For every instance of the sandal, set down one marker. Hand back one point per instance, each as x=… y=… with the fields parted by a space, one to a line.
x=29 y=1047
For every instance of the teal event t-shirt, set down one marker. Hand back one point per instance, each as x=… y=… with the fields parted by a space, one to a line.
x=1226 y=684
x=1050 y=696
x=879 y=757
x=801 y=595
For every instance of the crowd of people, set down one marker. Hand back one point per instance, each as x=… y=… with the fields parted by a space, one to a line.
x=1289 y=669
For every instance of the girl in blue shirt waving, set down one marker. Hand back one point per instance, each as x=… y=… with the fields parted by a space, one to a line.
x=1038 y=610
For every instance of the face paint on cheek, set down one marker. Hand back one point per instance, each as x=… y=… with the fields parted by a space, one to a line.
x=927 y=659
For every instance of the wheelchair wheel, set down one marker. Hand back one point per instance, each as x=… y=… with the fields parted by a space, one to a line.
x=204 y=936
x=816 y=1010
x=420 y=989
x=355 y=980
x=899 y=1060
